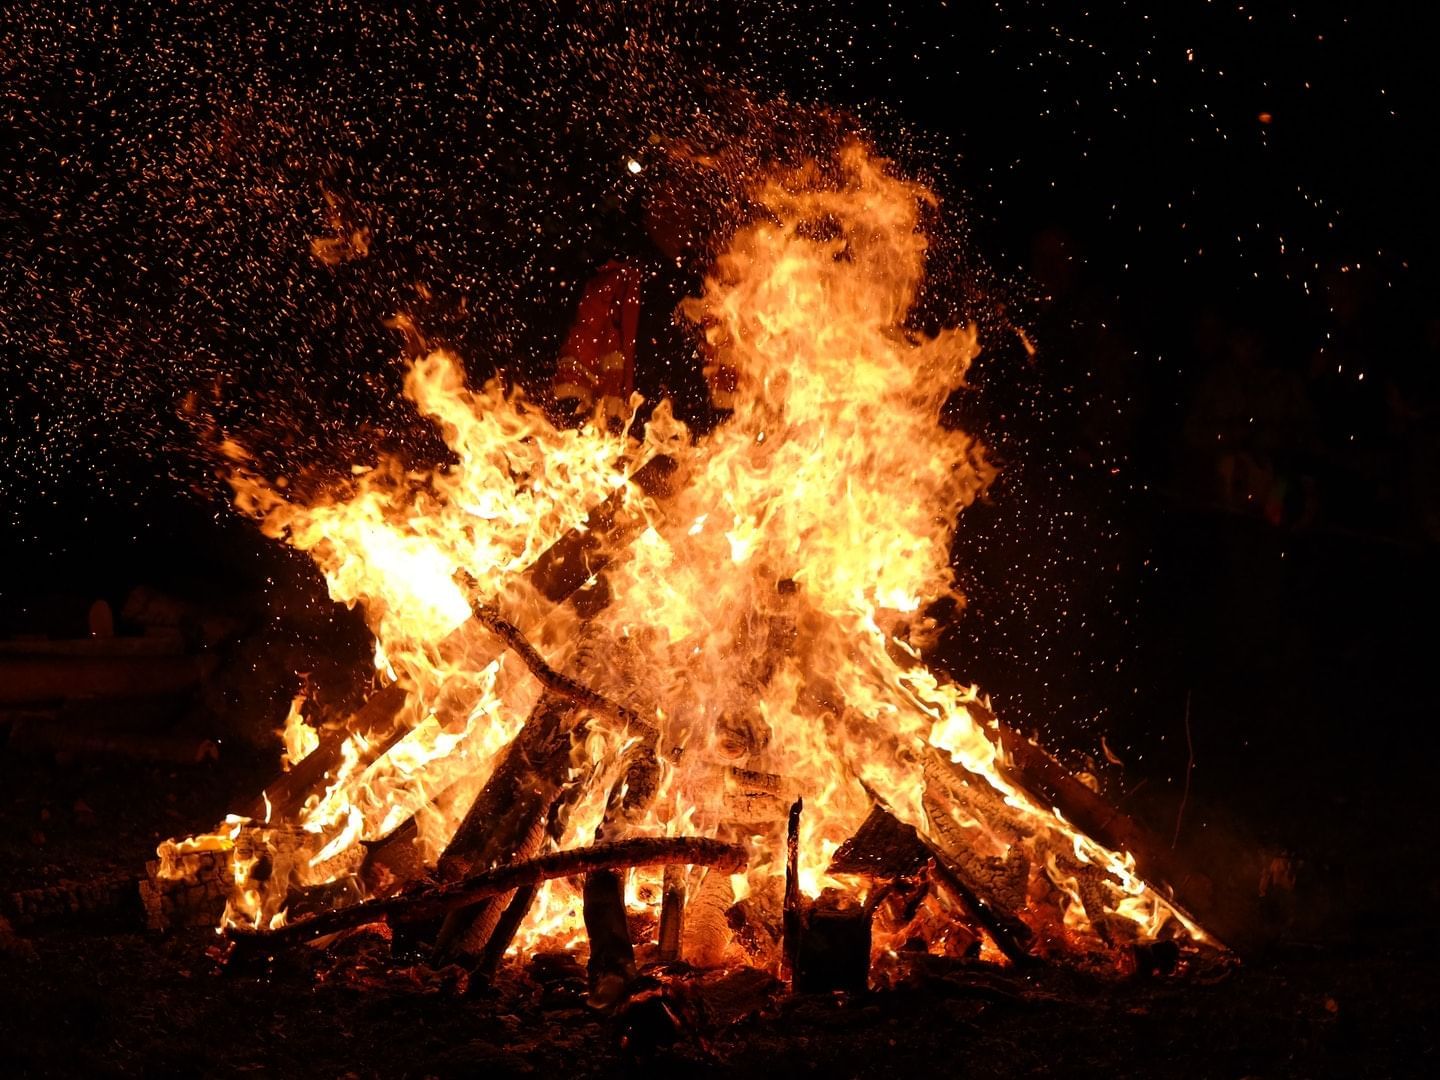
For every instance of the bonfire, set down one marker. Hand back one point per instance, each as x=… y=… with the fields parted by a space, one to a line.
x=649 y=697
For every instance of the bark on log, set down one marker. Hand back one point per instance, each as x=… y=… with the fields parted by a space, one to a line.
x=709 y=921
x=100 y=895
x=190 y=891
x=1010 y=935
x=882 y=848
x=439 y=900
x=1049 y=783
x=611 y=968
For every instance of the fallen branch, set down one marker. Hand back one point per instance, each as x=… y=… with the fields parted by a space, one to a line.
x=434 y=902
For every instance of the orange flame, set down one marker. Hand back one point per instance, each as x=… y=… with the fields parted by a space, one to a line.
x=765 y=619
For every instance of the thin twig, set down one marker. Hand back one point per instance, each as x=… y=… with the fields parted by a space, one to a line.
x=1189 y=768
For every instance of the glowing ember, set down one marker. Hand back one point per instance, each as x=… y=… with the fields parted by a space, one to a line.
x=766 y=617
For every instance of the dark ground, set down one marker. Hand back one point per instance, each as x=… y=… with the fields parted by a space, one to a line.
x=1314 y=749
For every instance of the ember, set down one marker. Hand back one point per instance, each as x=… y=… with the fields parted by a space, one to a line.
x=613 y=663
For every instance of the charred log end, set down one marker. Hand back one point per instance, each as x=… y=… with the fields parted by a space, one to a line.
x=833 y=952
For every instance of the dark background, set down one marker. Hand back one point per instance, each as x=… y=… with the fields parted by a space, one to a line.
x=1218 y=509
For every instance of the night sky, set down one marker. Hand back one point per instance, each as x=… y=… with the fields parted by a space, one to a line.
x=1215 y=220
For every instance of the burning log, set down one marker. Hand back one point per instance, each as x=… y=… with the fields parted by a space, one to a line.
x=1033 y=769
x=881 y=849
x=507 y=821
x=429 y=903
x=709 y=931
x=378 y=726
x=186 y=887
x=505 y=929
x=611 y=968
x=973 y=881
x=395 y=860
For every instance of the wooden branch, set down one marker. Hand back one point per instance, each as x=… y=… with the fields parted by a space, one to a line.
x=439 y=900
x=556 y=683
x=506 y=822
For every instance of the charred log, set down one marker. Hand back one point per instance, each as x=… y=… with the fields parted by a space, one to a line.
x=793 y=914
x=833 y=951
x=611 y=968
x=882 y=848
x=506 y=822
x=102 y=895
x=186 y=889
x=505 y=929
x=672 y=914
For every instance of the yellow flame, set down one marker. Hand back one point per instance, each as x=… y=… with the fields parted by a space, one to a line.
x=764 y=615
